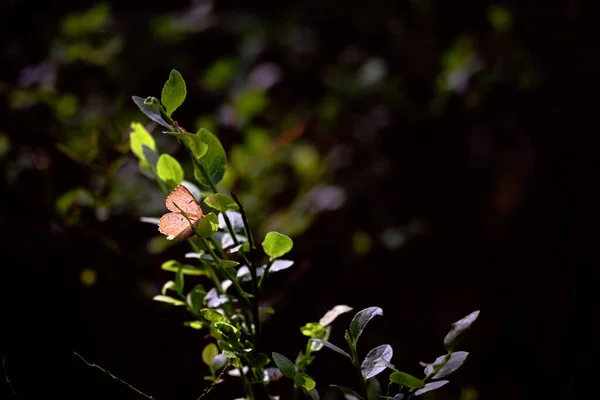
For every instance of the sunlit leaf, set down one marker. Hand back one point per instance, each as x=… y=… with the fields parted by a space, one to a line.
x=446 y=364
x=458 y=329
x=280 y=265
x=168 y=300
x=208 y=225
x=276 y=245
x=304 y=381
x=221 y=202
x=212 y=315
x=138 y=137
x=361 y=319
x=430 y=386
x=174 y=92
x=174 y=266
x=313 y=330
x=209 y=352
x=169 y=170
x=332 y=314
x=169 y=285
x=376 y=361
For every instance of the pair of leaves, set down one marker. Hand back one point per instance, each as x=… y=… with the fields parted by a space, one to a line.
x=357 y=326
x=173 y=94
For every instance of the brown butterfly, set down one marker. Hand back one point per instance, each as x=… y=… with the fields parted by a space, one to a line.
x=174 y=224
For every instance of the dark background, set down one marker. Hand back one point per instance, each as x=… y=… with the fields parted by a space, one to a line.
x=499 y=176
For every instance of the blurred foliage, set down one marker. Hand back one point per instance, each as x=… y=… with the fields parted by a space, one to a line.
x=283 y=150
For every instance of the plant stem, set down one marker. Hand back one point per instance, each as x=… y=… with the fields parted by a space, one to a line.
x=356 y=363
x=245 y=302
x=265 y=272
x=211 y=272
x=252 y=266
x=247 y=386
x=214 y=243
x=113 y=376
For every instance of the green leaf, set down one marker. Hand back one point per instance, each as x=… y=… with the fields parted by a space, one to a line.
x=332 y=347
x=229 y=331
x=376 y=361
x=284 y=364
x=214 y=161
x=276 y=245
x=361 y=319
x=304 y=381
x=445 y=365
x=209 y=352
x=152 y=108
x=314 y=330
x=140 y=136
x=458 y=329
x=221 y=202
x=332 y=314
x=169 y=285
x=404 y=379
x=195 y=298
x=349 y=394
x=228 y=263
x=168 y=300
x=208 y=225
x=430 y=386
x=192 y=142
x=174 y=266
x=213 y=316
x=193 y=324
x=173 y=93
x=169 y=170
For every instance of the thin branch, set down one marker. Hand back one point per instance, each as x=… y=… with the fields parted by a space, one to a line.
x=6 y=376
x=113 y=376
x=252 y=265
x=215 y=383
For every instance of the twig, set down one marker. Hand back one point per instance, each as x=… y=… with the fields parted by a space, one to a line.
x=215 y=382
x=6 y=376
x=113 y=376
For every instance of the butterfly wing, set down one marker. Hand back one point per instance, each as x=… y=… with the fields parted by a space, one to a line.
x=186 y=202
x=175 y=225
